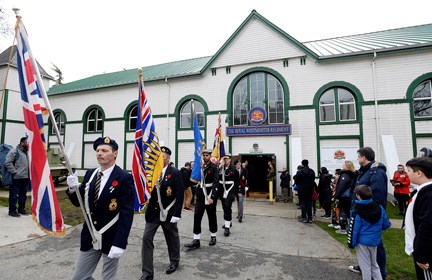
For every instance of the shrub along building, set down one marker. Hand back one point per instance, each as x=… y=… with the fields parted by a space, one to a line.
x=280 y=100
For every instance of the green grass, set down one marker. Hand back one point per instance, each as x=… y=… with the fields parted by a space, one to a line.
x=72 y=215
x=399 y=265
x=393 y=211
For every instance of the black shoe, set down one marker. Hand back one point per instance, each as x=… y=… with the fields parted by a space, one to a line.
x=171 y=268
x=240 y=220
x=146 y=278
x=14 y=214
x=212 y=241
x=195 y=244
x=24 y=213
x=227 y=232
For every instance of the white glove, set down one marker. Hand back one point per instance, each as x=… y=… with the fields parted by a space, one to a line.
x=72 y=182
x=115 y=252
x=246 y=189
x=174 y=220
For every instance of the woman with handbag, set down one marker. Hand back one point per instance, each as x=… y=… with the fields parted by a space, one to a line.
x=344 y=192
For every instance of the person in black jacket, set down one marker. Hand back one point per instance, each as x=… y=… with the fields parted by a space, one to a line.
x=418 y=217
x=345 y=191
x=284 y=184
x=325 y=191
x=164 y=209
x=305 y=180
x=108 y=193
x=186 y=172
x=206 y=202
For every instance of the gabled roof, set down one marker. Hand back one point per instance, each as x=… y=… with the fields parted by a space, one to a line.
x=4 y=60
x=156 y=72
x=383 y=41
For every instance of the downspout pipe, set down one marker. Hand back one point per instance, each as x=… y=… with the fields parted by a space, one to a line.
x=377 y=121
x=167 y=114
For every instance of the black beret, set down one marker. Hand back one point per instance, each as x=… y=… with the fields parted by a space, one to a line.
x=166 y=150
x=207 y=151
x=227 y=155
x=105 y=141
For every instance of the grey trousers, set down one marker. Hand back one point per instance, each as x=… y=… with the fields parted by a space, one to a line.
x=367 y=260
x=88 y=261
x=172 y=239
x=240 y=203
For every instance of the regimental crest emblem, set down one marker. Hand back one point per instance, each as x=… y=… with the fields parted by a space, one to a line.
x=257 y=115
x=113 y=204
x=339 y=154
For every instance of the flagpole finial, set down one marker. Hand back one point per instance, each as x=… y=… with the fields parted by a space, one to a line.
x=17 y=12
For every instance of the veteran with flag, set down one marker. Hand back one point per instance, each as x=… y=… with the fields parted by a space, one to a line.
x=228 y=189
x=206 y=200
x=164 y=209
x=108 y=195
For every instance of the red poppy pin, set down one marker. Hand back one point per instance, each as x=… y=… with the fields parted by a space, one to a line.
x=231 y=173
x=114 y=184
x=208 y=172
x=168 y=176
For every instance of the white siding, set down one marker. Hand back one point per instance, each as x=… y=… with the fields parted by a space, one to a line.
x=339 y=130
x=255 y=43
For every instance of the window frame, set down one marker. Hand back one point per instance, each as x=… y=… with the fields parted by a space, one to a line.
x=62 y=120
x=337 y=106
x=258 y=88
x=198 y=111
x=99 y=117
x=416 y=99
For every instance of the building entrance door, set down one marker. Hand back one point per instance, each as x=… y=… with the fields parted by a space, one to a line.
x=257 y=171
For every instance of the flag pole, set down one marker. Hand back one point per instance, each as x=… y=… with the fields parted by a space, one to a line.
x=48 y=108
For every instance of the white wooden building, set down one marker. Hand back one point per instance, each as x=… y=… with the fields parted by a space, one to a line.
x=321 y=100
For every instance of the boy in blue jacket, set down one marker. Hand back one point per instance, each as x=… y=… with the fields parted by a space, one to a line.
x=368 y=219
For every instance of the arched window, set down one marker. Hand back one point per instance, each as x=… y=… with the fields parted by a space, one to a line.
x=60 y=121
x=422 y=100
x=186 y=114
x=94 y=120
x=258 y=89
x=133 y=113
x=337 y=104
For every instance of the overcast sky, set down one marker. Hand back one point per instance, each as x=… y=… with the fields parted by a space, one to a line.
x=85 y=38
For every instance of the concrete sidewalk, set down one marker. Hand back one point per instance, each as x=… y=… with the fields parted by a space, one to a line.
x=269 y=244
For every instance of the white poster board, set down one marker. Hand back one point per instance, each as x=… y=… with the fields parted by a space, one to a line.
x=334 y=156
x=392 y=157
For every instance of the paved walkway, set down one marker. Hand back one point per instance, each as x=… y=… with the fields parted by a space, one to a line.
x=269 y=244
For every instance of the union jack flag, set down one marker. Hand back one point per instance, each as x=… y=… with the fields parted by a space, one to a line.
x=147 y=161
x=45 y=207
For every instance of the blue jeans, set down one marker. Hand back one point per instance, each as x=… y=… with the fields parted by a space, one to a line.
x=18 y=193
x=382 y=259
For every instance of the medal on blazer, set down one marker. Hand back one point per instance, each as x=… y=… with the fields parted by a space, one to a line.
x=169 y=191
x=113 y=205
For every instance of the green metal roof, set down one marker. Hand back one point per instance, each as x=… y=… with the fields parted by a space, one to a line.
x=156 y=72
x=381 y=41
x=368 y=43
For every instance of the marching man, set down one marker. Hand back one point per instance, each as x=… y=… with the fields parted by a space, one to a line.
x=108 y=193
x=206 y=198
x=228 y=189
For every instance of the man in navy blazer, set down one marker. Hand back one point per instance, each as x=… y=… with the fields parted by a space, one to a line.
x=108 y=196
x=171 y=192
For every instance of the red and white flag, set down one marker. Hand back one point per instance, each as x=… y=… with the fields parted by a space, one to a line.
x=45 y=207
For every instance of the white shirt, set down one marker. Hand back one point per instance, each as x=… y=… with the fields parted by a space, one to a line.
x=105 y=175
x=409 y=223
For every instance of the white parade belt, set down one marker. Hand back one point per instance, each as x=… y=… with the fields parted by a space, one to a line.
x=163 y=212
x=225 y=195
x=97 y=233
